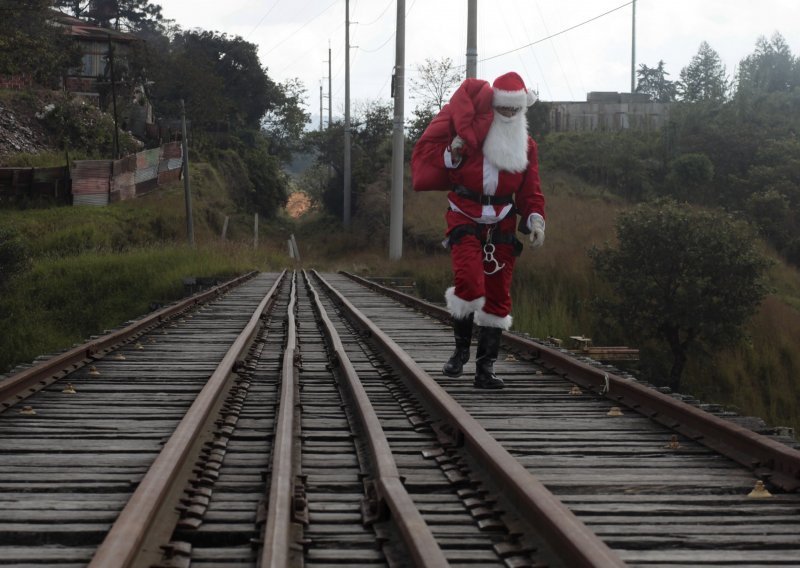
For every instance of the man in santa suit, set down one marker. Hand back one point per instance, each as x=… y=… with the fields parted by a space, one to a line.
x=478 y=149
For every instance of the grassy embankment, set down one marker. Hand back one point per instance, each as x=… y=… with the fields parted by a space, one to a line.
x=95 y=267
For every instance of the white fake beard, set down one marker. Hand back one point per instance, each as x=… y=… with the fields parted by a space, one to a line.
x=506 y=144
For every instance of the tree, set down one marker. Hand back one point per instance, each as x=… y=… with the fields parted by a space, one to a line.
x=690 y=176
x=286 y=118
x=704 y=79
x=685 y=277
x=31 y=42
x=771 y=68
x=220 y=78
x=437 y=79
x=652 y=81
x=127 y=15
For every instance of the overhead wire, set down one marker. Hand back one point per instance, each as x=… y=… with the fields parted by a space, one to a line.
x=571 y=54
x=276 y=46
x=569 y=29
x=555 y=52
x=262 y=18
x=542 y=74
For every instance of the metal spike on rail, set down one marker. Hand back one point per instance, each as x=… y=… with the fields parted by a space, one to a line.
x=759 y=491
x=673 y=443
x=69 y=389
x=27 y=411
x=615 y=411
x=575 y=390
x=119 y=357
x=93 y=372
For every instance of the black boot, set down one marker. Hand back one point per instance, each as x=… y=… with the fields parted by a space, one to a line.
x=488 y=346
x=462 y=329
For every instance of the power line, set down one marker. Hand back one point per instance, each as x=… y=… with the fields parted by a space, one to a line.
x=291 y=35
x=262 y=18
x=389 y=5
x=556 y=34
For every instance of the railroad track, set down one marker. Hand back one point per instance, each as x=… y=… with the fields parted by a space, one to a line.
x=300 y=419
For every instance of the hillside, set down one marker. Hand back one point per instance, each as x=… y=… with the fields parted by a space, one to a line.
x=20 y=131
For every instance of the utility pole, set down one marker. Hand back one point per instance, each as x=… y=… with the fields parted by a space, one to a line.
x=398 y=137
x=633 y=49
x=472 y=39
x=330 y=90
x=113 y=95
x=346 y=215
x=186 y=191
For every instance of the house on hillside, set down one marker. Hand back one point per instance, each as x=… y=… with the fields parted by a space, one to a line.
x=93 y=80
x=101 y=47
x=608 y=111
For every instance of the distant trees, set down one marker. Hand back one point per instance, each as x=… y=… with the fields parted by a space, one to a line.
x=704 y=79
x=770 y=69
x=125 y=15
x=734 y=146
x=684 y=277
x=652 y=81
x=436 y=79
x=30 y=42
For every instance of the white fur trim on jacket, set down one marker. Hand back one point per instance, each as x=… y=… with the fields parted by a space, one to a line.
x=491 y=320
x=459 y=308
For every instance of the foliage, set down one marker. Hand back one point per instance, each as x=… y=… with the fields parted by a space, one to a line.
x=371 y=132
x=219 y=77
x=415 y=126
x=285 y=120
x=654 y=83
x=257 y=182
x=437 y=79
x=688 y=278
x=31 y=43
x=75 y=124
x=127 y=15
x=623 y=161
x=704 y=79
x=689 y=177
x=771 y=68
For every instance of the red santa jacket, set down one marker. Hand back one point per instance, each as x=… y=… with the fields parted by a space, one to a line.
x=469 y=114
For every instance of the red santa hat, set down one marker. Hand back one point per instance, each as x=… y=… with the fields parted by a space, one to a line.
x=510 y=91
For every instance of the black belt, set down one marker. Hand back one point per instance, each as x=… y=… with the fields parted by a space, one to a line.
x=462 y=191
x=475 y=229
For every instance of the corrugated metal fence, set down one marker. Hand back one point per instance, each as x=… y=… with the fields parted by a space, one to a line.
x=96 y=182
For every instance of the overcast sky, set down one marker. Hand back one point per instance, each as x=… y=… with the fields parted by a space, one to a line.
x=293 y=38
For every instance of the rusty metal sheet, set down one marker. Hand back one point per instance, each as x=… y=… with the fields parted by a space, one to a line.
x=172 y=150
x=124 y=185
x=145 y=173
x=146 y=186
x=169 y=176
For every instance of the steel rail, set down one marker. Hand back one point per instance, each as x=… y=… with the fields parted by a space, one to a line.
x=569 y=539
x=767 y=458
x=417 y=536
x=13 y=387
x=128 y=538
x=277 y=530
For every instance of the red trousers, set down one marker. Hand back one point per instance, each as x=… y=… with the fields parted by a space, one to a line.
x=470 y=268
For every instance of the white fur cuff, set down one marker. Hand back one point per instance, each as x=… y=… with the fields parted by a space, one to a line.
x=459 y=308
x=491 y=320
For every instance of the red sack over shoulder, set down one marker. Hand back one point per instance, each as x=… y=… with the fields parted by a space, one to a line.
x=468 y=114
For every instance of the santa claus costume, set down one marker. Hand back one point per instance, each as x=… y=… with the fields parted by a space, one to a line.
x=478 y=149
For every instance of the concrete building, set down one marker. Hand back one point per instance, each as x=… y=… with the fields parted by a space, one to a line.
x=608 y=111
